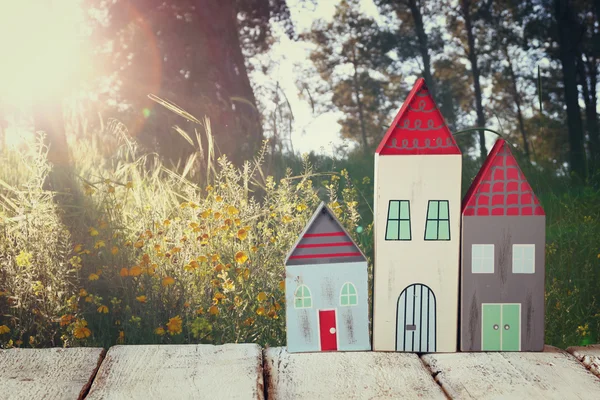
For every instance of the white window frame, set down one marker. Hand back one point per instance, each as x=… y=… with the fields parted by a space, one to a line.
x=348 y=295
x=482 y=259
x=518 y=259
x=302 y=297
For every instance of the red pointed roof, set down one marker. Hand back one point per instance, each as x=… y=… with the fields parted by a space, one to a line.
x=500 y=188
x=419 y=127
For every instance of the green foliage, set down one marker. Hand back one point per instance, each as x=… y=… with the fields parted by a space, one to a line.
x=137 y=253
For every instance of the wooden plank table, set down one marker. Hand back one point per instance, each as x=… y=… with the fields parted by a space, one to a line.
x=552 y=374
x=588 y=356
x=351 y=375
x=47 y=373
x=231 y=371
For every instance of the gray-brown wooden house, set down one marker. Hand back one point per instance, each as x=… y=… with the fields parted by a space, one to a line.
x=502 y=259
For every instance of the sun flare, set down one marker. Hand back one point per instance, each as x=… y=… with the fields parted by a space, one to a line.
x=41 y=48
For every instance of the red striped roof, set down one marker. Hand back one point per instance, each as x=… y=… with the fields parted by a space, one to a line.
x=324 y=240
x=419 y=127
x=500 y=188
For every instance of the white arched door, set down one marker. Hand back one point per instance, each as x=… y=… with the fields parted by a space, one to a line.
x=416 y=319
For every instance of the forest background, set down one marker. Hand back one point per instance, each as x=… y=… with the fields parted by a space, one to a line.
x=151 y=168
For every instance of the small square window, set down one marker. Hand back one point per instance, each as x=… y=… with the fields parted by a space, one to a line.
x=398 y=220
x=523 y=259
x=482 y=258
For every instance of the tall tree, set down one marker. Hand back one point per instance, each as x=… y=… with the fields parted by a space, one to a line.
x=413 y=39
x=352 y=55
x=568 y=32
x=193 y=53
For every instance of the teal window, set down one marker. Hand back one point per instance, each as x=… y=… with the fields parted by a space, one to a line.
x=438 y=220
x=302 y=297
x=348 y=296
x=398 y=220
x=523 y=259
x=482 y=258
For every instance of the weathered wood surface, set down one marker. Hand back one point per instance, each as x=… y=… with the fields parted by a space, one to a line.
x=231 y=371
x=589 y=356
x=47 y=373
x=552 y=374
x=351 y=375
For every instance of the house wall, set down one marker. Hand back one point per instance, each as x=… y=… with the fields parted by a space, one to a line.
x=503 y=286
x=398 y=264
x=325 y=282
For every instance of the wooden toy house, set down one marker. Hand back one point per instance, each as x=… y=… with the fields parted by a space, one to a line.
x=417 y=231
x=326 y=289
x=503 y=245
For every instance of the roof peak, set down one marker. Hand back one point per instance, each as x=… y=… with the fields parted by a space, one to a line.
x=500 y=187
x=418 y=128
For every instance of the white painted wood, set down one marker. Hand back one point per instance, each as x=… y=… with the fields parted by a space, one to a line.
x=231 y=371
x=552 y=374
x=357 y=375
x=47 y=373
x=398 y=264
x=588 y=356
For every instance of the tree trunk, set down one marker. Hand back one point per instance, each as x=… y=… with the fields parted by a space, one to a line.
x=465 y=5
x=423 y=44
x=517 y=99
x=589 y=98
x=568 y=55
x=361 y=117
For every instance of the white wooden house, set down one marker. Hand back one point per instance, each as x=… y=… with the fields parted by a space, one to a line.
x=417 y=231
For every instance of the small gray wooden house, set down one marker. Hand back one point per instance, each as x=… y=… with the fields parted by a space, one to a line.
x=502 y=259
x=326 y=289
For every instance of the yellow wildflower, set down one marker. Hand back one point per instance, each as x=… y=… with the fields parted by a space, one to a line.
x=93 y=277
x=93 y=231
x=66 y=319
x=217 y=215
x=19 y=342
x=114 y=250
x=218 y=297
x=81 y=330
x=228 y=286
x=254 y=249
x=272 y=314
x=202 y=259
x=167 y=281
x=121 y=338
x=205 y=214
x=141 y=299
x=200 y=311
x=262 y=296
x=128 y=243
x=136 y=270
x=237 y=222
x=286 y=219
x=193 y=205
x=218 y=198
x=174 y=325
x=301 y=207
x=103 y=309
x=248 y=321
x=160 y=331
x=89 y=299
x=99 y=244
x=78 y=248
x=231 y=210
x=282 y=286
x=242 y=234
x=124 y=272
x=241 y=257
x=139 y=244
x=260 y=311
x=4 y=329
x=246 y=274
x=213 y=310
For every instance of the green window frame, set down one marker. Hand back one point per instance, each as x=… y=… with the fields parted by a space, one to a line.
x=302 y=297
x=523 y=259
x=348 y=295
x=398 y=221
x=437 y=226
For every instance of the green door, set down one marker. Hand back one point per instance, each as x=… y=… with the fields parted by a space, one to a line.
x=511 y=323
x=500 y=327
x=492 y=320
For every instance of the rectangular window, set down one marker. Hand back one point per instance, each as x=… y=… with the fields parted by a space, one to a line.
x=398 y=221
x=482 y=258
x=523 y=259
x=437 y=226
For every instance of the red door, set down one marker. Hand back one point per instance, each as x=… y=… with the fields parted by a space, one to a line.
x=328 y=330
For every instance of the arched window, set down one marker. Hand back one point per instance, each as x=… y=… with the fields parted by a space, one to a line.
x=302 y=297
x=348 y=296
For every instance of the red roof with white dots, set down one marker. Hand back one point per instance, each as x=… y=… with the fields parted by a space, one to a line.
x=500 y=188
x=419 y=127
